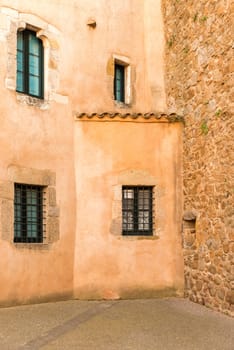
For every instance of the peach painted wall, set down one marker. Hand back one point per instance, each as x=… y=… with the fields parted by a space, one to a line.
x=37 y=138
x=109 y=154
x=79 y=78
x=129 y=29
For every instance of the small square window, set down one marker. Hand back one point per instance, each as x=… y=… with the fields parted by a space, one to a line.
x=137 y=210
x=29 y=64
x=28 y=214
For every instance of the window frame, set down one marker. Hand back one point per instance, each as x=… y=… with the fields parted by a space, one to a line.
x=134 y=210
x=28 y=216
x=26 y=33
x=124 y=61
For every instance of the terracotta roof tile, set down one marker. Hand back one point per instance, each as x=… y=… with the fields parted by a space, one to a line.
x=172 y=117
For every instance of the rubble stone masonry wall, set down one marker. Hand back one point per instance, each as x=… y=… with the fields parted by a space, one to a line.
x=199 y=81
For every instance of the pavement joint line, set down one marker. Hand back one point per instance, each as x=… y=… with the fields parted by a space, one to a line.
x=67 y=326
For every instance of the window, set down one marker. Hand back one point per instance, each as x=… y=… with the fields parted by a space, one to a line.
x=29 y=64
x=28 y=213
x=137 y=218
x=119 y=83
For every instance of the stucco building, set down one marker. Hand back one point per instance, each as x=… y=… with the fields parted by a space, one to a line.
x=91 y=166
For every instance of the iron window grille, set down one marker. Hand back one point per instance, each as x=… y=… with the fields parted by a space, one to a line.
x=137 y=210
x=28 y=214
x=119 y=83
x=30 y=64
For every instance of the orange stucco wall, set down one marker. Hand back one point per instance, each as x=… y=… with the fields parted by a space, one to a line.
x=36 y=138
x=108 y=155
x=90 y=257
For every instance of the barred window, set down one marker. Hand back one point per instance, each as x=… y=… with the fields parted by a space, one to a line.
x=137 y=217
x=28 y=213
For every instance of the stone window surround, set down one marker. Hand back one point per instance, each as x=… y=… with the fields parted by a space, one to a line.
x=45 y=178
x=136 y=177
x=124 y=61
x=50 y=36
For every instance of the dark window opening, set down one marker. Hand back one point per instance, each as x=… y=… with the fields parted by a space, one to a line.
x=137 y=206
x=28 y=214
x=30 y=64
x=119 y=83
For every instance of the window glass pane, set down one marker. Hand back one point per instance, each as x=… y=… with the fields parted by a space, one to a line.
x=128 y=204
x=118 y=91
x=32 y=230
x=20 y=82
x=119 y=82
x=34 y=84
x=143 y=220
x=17 y=214
x=118 y=73
x=20 y=69
x=34 y=214
x=20 y=61
x=144 y=199
x=20 y=41
x=128 y=221
x=17 y=195
x=34 y=65
x=31 y=213
x=34 y=45
x=17 y=211
x=128 y=193
x=32 y=196
x=17 y=229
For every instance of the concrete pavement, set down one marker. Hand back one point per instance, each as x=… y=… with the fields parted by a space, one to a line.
x=150 y=324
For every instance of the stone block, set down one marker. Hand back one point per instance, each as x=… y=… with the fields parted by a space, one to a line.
x=53 y=212
x=10 y=83
x=52 y=229
x=230 y=297
x=7 y=190
x=31 y=176
x=218 y=280
x=7 y=219
x=226 y=247
x=221 y=293
x=199 y=285
x=51 y=193
x=33 y=19
x=189 y=239
x=116 y=227
x=212 y=290
x=212 y=269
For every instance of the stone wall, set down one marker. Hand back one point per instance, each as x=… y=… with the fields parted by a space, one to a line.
x=200 y=87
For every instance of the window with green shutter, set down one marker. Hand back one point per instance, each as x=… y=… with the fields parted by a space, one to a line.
x=29 y=64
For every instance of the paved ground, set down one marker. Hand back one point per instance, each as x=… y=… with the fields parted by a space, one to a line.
x=156 y=324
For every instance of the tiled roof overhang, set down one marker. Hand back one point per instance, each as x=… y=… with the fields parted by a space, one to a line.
x=136 y=117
